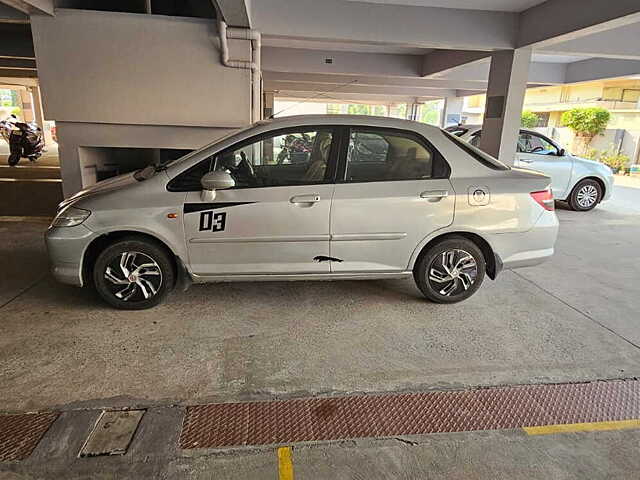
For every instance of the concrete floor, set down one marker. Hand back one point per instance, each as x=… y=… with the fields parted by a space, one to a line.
x=571 y=319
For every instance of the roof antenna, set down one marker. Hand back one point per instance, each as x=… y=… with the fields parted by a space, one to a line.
x=319 y=94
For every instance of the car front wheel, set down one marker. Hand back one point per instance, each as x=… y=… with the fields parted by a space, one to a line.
x=585 y=195
x=450 y=271
x=133 y=274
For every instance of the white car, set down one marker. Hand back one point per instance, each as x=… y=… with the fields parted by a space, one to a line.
x=582 y=183
x=318 y=197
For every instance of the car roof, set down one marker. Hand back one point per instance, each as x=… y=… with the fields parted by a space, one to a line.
x=360 y=120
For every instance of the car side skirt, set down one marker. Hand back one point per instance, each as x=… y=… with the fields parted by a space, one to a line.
x=301 y=276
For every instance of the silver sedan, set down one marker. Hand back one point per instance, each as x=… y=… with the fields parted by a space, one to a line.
x=582 y=183
x=307 y=198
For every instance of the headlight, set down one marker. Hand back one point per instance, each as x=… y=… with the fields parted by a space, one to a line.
x=70 y=217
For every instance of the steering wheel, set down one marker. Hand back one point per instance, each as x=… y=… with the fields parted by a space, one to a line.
x=536 y=150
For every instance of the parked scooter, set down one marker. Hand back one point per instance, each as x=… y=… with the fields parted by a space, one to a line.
x=24 y=139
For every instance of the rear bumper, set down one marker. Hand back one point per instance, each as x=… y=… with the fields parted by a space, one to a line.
x=66 y=247
x=526 y=249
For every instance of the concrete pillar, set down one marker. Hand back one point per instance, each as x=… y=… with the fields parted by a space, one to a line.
x=27 y=105
x=412 y=111
x=505 y=97
x=267 y=104
x=37 y=106
x=452 y=111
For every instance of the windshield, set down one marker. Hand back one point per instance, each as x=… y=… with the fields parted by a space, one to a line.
x=484 y=158
x=150 y=170
x=217 y=140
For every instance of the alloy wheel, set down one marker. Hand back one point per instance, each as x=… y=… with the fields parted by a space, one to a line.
x=587 y=196
x=452 y=272
x=133 y=276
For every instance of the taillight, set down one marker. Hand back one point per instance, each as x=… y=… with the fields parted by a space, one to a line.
x=544 y=198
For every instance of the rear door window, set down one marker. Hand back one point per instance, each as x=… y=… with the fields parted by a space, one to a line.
x=378 y=156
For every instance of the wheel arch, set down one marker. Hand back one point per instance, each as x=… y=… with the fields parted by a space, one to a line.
x=493 y=263
x=601 y=182
x=102 y=241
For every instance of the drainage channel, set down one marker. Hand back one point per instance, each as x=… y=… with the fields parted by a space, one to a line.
x=537 y=409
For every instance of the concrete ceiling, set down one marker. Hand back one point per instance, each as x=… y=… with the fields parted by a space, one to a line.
x=495 y=5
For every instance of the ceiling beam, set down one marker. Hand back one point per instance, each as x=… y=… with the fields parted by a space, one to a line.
x=19 y=81
x=440 y=61
x=16 y=41
x=32 y=6
x=18 y=63
x=601 y=68
x=11 y=15
x=307 y=97
x=621 y=42
x=16 y=72
x=328 y=90
x=426 y=27
x=236 y=13
x=293 y=60
x=539 y=73
x=372 y=81
x=560 y=20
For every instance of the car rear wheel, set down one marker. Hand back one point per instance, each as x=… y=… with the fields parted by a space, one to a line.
x=450 y=271
x=585 y=195
x=133 y=274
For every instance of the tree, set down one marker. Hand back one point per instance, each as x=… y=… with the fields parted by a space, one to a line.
x=586 y=123
x=430 y=112
x=529 y=119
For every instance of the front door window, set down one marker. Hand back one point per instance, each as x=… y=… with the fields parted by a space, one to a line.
x=292 y=158
x=530 y=143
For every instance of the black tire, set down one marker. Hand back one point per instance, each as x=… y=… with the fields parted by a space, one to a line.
x=470 y=276
x=13 y=159
x=585 y=195
x=134 y=295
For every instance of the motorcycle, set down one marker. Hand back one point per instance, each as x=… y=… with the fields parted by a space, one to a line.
x=24 y=139
x=296 y=149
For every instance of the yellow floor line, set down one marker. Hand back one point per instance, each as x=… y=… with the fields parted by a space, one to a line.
x=583 y=427
x=285 y=463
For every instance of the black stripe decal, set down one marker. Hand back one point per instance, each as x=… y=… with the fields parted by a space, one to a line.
x=199 y=207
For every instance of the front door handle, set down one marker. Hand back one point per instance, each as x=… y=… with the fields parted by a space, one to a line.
x=305 y=200
x=526 y=160
x=434 y=195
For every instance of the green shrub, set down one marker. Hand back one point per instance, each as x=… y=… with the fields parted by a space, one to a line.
x=610 y=157
x=586 y=122
x=529 y=119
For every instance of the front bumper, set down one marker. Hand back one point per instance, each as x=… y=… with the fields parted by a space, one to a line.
x=608 y=187
x=66 y=247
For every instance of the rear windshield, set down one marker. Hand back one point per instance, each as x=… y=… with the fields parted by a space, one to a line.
x=482 y=157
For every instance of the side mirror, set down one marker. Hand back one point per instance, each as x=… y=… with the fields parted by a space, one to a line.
x=562 y=152
x=212 y=181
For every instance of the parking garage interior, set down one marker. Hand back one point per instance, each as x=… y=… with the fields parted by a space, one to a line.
x=128 y=84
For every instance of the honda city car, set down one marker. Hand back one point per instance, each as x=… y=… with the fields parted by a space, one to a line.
x=318 y=197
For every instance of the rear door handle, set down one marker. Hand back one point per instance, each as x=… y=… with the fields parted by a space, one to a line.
x=434 y=195
x=305 y=200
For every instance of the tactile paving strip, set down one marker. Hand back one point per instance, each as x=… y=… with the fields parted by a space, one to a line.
x=19 y=434
x=360 y=416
